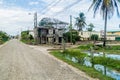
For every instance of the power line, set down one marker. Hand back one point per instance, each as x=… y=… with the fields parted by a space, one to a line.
x=47 y=6
x=67 y=7
x=46 y=9
x=50 y=6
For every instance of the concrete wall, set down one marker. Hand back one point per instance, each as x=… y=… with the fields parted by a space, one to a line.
x=32 y=33
x=110 y=37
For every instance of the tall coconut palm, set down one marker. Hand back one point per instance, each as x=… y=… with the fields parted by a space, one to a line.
x=80 y=21
x=107 y=9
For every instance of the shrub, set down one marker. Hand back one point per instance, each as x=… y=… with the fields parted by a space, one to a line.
x=94 y=37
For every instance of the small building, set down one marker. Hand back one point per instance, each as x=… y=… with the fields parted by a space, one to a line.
x=113 y=35
x=85 y=35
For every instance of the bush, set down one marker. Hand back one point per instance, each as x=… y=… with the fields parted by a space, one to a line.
x=75 y=53
x=74 y=34
x=27 y=38
x=73 y=41
x=3 y=37
x=94 y=37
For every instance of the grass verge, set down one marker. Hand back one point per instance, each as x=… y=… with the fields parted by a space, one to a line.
x=109 y=62
x=28 y=41
x=113 y=49
x=88 y=70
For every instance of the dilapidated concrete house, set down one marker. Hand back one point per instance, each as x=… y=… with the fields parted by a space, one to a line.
x=50 y=31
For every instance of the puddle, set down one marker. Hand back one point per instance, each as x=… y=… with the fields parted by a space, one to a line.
x=105 y=70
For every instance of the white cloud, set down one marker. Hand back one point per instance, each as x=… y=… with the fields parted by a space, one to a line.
x=1 y=2
x=34 y=3
x=11 y=20
x=56 y=9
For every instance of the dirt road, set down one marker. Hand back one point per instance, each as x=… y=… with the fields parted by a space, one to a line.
x=21 y=62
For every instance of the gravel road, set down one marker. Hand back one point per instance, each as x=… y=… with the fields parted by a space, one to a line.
x=19 y=61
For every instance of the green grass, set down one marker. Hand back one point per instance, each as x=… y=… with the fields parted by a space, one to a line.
x=75 y=53
x=88 y=70
x=109 y=49
x=85 y=47
x=109 y=62
x=28 y=41
x=3 y=41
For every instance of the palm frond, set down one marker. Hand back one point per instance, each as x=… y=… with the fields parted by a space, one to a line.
x=94 y=1
x=96 y=6
x=115 y=3
x=103 y=5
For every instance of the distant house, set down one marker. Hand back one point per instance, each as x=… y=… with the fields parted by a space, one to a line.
x=110 y=35
x=50 y=31
x=113 y=35
x=85 y=35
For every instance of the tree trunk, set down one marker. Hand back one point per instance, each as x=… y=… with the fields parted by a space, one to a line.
x=104 y=41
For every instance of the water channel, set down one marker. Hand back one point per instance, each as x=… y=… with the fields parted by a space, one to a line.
x=105 y=70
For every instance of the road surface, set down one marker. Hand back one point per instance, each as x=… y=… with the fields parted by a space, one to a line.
x=18 y=61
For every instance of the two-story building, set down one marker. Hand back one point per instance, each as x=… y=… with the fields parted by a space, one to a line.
x=50 y=34
x=113 y=35
x=46 y=35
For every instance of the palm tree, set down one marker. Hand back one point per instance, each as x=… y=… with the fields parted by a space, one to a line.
x=80 y=21
x=107 y=8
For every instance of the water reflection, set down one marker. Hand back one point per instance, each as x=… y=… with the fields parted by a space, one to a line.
x=105 y=70
x=113 y=56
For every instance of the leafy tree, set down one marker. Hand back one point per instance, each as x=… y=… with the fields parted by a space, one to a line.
x=80 y=21
x=26 y=37
x=3 y=37
x=107 y=8
x=91 y=26
x=75 y=36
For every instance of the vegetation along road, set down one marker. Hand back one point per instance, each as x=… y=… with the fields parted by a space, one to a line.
x=19 y=61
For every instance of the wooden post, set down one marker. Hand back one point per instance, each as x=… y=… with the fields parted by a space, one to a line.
x=92 y=56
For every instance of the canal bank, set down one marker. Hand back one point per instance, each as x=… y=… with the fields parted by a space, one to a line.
x=88 y=70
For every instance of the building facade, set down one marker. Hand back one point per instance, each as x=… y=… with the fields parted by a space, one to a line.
x=110 y=35
x=113 y=35
x=50 y=31
x=46 y=35
x=85 y=35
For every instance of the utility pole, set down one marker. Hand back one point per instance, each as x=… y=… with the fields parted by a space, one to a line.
x=71 y=29
x=63 y=40
x=35 y=19
x=35 y=28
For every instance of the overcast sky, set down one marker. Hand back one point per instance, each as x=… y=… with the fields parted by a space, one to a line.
x=14 y=14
